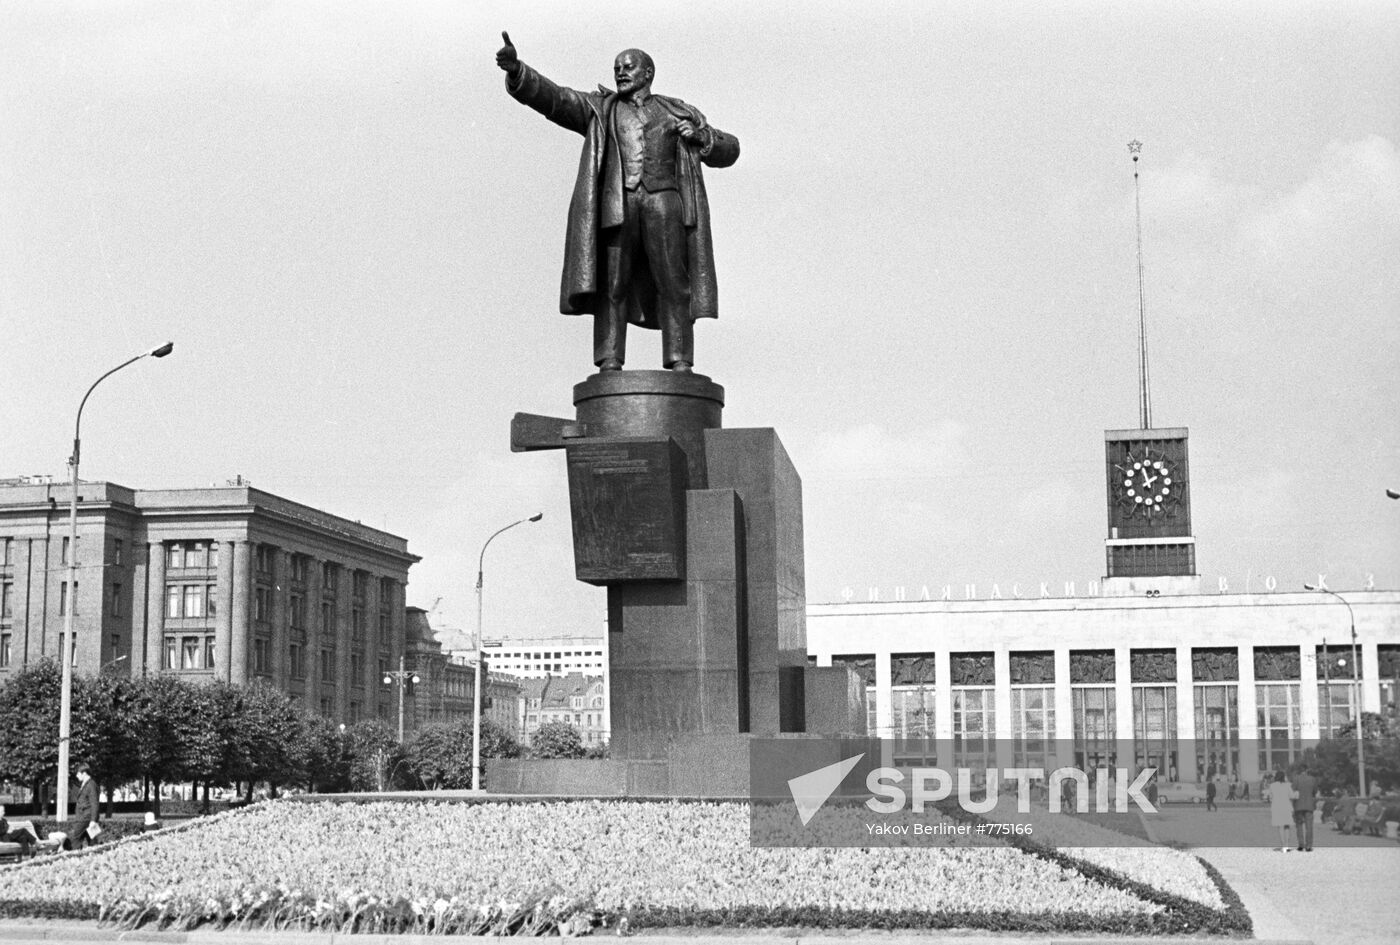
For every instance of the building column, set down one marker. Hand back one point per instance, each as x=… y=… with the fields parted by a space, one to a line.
x=37 y=599
x=241 y=627
x=1370 y=675
x=223 y=620
x=343 y=585
x=1185 y=709
x=155 y=608
x=281 y=589
x=1005 y=729
x=1123 y=700
x=884 y=694
x=1064 y=710
x=1308 y=727
x=943 y=703
x=1246 y=698
x=374 y=683
x=311 y=653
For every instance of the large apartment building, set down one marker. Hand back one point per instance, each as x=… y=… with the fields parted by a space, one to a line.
x=229 y=583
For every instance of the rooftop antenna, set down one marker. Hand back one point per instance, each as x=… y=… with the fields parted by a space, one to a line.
x=1144 y=395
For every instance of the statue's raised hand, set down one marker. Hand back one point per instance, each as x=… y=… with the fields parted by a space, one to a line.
x=505 y=57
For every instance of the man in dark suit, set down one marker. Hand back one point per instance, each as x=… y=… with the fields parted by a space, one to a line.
x=1304 y=803
x=85 y=811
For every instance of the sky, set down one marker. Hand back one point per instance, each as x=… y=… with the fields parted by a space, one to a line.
x=926 y=254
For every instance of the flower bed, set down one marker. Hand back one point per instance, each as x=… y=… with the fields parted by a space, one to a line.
x=563 y=866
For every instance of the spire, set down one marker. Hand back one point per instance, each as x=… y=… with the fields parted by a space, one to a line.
x=1144 y=394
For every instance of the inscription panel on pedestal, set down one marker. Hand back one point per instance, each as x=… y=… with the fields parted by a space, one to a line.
x=627 y=502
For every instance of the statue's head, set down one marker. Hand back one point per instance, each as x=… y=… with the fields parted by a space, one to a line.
x=633 y=70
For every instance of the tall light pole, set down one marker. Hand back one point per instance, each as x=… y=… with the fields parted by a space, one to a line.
x=65 y=644
x=480 y=655
x=403 y=677
x=1356 y=687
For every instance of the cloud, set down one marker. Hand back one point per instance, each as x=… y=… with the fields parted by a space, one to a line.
x=1349 y=203
x=868 y=451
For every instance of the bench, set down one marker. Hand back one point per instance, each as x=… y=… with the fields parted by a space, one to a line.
x=14 y=852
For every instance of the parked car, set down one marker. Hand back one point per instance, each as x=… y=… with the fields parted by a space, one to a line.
x=1181 y=792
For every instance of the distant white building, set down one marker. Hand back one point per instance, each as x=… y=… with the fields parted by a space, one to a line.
x=534 y=658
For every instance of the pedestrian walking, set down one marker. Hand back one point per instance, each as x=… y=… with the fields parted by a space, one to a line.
x=1244 y=793
x=85 y=811
x=1230 y=795
x=1304 y=804
x=1280 y=794
x=1210 y=795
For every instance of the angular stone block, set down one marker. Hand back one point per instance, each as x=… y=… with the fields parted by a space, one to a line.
x=627 y=503
x=675 y=659
x=835 y=700
x=755 y=465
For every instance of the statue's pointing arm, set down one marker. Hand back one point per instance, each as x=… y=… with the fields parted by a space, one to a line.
x=563 y=106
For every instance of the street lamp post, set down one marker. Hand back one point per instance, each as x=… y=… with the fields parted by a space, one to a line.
x=65 y=645
x=1356 y=687
x=403 y=677
x=476 y=688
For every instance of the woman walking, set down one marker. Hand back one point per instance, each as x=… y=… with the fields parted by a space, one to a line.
x=1281 y=808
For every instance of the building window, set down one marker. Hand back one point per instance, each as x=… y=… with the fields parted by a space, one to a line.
x=191 y=653
x=329 y=577
x=357 y=623
x=118 y=550
x=1033 y=725
x=172 y=653
x=194 y=600
x=1277 y=710
x=1095 y=727
x=383 y=627
x=326 y=707
x=911 y=712
x=360 y=585
x=172 y=556
x=357 y=669
x=63 y=553
x=213 y=554
x=974 y=726
x=7 y=552
x=354 y=712
x=7 y=592
x=386 y=593
x=5 y=644
x=116 y=600
x=1335 y=707
x=263 y=559
x=298 y=563
x=1217 y=717
x=297 y=608
x=116 y=642
x=1154 y=729
x=262 y=655
x=172 y=601
x=211 y=600
x=194 y=555
x=327 y=617
x=383 y=673
x=327 y=665
x=295 y=661
x=63 y=598
x=262 y=603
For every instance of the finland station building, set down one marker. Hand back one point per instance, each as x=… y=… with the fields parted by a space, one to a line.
x=1194 y=681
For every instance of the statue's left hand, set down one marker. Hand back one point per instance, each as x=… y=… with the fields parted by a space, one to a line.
x=687 y=130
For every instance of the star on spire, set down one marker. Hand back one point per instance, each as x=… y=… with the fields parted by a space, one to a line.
x=1135 y=148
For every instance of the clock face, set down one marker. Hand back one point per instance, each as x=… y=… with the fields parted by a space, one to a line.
x=1147 y=485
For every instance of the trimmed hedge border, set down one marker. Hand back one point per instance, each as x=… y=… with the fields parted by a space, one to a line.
x=1178 y=916
x=1183 y=915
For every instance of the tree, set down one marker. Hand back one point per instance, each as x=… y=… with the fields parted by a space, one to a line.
x=176 y=740
x=440 y=756
x=29 y=716
x=374 y=752
x=271 y=729
x=557 y=740
x=116 y=705
x=322 y=754
x=1336 y=758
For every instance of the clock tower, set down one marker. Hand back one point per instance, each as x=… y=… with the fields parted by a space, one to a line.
x=1150 y=548
x=1149 y=504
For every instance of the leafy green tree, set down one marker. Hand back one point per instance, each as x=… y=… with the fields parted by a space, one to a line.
x=116 y=704
x=440 y=756
x=374 y=753
x=557 y=740
x=29 y=717
x=322 y=754
x=177 y=740
x=271 y=730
